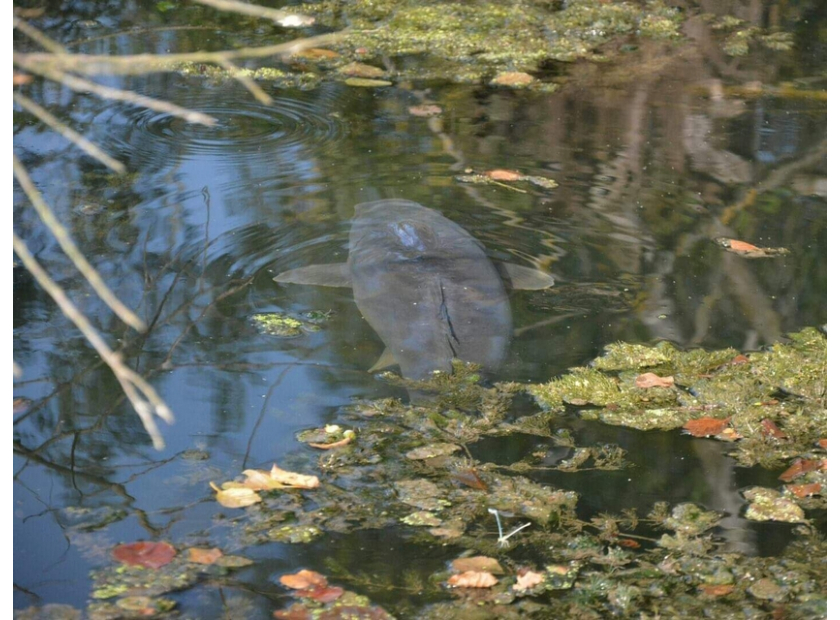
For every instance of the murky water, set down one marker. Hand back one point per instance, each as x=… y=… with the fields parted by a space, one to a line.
x=192 y=236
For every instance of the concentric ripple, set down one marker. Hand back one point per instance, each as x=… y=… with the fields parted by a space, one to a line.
x=242 y=130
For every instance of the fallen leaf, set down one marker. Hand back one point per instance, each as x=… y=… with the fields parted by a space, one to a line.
x=804 y=490
x=513 y=78
x=304 y=579
x=19 y=79
x=739 y=246
x=325 y=594
x=335 y=444
x=716 y=589
x=729 y=434
x=366 y=83
x=431 y=451
x=315 y=53
x=478 y=563
x=705 y=427
x=203 y=556
x=236 y=498
x=748 y=250
x=144 y=553
x=800 y=467
x=504 y=175
x=651 y=380
x=425 y=110
x=769 y=428
x=361 y=70
x=470 y=478
x=472 y=579
x=627 y=543
x=528 y=580
x=740 y=359
x=295 y=612
x=823 y=443
x=233 y=561
x=293 y=480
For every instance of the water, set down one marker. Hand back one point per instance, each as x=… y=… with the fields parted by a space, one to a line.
x=193 y=235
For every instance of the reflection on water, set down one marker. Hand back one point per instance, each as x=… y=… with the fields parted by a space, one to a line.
x=649 y=173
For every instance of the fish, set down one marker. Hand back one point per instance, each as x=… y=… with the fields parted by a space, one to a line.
x=427 y=288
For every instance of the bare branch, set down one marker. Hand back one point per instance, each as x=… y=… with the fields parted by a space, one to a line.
x=138 y=64
x=106 y=92
x=39 y=37
x=284 y=18
x=68 y=245
x=73 y=136
x=246 y=81
x=143 y=396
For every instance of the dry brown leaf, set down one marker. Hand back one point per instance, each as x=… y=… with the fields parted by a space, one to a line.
x=716 y=589
x=478 y=563
x=769 y=428
x=472 y=579
x=705 y=427
x=800 y=467
x=804 y=490
x=651 y=380
x=528 y=580
x=504 y=175
x=741 y=246
x=291 y=479
x=470 y=478
x=304 y=579
x=627 y=543
x=235 y=497
x=203 y=556
x=144 y=553
x=330 y=446
x=425 y=110
x=740 y=359
x=823 y=443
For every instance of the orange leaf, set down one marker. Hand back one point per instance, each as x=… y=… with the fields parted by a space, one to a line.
x=705 y=427
x=650 y=380
x=20 y=78
x=504 y=175
x=472 y=579
x=528 y=580
x=716 y=589
x=740 y=359
x=804 y=490
x=470 y=478
x=800 y=467
x=823 y=443
x=330 y=446
x=304 y=579
x=327 y=594
x=741 y=246
x=203 y=556
x=144 y=553
x=627 y=543
x=478 y=563
x=768 y=427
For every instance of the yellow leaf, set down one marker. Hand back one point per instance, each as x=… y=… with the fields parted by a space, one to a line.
x=235 y=498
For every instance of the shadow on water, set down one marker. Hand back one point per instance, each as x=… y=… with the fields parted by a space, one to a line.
x=646 y=173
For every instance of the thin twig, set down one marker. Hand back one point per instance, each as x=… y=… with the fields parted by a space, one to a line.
x=73 y=136
x=68 y=245
x=143 y=396
x=107 y=92
x=246 y=81
x=284 y=18
x=39 y=37
x=138 y=64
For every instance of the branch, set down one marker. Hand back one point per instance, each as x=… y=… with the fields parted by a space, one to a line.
x=143 y=396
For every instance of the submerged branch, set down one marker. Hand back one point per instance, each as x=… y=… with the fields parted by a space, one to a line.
x=143 y=396
x=68 y=245
x=39 y=37
x=73 y=136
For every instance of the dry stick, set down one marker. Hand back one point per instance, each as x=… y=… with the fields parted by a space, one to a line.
x=282 y=17
x=138 y=64
x=246 y=81
x=73 y=136
x=39 y=37
x=63 y=237
x=147 y=404
x=117 y=94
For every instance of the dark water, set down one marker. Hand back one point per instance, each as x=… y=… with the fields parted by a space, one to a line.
x=193 y=235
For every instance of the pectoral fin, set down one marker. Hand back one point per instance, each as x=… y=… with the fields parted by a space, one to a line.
x=385 y=360
x=337 y=274
x=524 y=278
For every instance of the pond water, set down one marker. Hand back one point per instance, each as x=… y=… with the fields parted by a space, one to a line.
x=653 y=159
